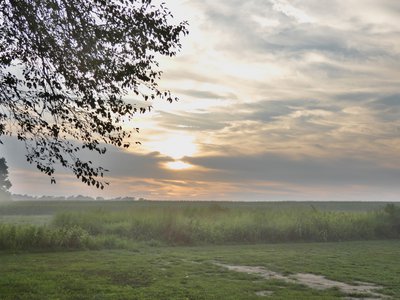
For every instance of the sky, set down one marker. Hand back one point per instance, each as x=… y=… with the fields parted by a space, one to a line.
x=279 y=100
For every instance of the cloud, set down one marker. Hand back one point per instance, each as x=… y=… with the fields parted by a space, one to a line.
x=291 y=33
x=307 y=171
x=283 y=99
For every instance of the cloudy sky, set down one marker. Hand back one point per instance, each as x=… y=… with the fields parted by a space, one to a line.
x=279 y=100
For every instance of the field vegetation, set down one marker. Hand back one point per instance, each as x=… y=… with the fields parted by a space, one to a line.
x=192 y=273
x=180 y=250
x=124 y=225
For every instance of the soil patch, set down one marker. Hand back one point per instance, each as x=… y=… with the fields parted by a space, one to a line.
x=313 y=281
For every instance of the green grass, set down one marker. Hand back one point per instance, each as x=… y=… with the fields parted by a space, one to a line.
x=53 y=207
x=26 y=219
x=190 y=272
x=193 y=224
x=128 y=253
x=220 y=225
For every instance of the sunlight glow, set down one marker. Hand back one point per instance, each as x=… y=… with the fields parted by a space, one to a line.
x=178 y=165
x=175 y=146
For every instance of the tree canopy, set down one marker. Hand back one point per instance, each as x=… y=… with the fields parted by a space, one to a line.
x=5 y=183
x=65 y=66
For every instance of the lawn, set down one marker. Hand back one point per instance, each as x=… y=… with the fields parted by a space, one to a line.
x=194 y=272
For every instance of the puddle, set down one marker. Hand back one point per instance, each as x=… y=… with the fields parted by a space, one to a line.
x=264 y=293
x=313 y=281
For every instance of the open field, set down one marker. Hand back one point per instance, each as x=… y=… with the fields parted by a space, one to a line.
x=52 y=207
x=193 y=272
x=115 y=225
x=185 y=250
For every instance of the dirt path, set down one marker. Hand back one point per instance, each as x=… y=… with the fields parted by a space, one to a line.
x=313 y=281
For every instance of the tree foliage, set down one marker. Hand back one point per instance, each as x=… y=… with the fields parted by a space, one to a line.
x=5 y=183
x=65 y=66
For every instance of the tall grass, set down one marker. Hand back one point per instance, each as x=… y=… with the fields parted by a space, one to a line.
x=28 y=237
x=219 y=225
x=196 y=225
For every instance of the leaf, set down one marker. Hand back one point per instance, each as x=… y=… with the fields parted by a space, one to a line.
x=76 y=61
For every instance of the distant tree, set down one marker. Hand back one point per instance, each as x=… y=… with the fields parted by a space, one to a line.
x=5 y=183
x=65 y=66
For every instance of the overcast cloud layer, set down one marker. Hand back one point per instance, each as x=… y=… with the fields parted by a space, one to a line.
x=280 y=100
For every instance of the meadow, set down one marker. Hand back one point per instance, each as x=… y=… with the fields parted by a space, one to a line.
x=111 y=225
x=184 y=250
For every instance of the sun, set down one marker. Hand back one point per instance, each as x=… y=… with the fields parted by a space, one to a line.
x=175 y=146
x=178 y=165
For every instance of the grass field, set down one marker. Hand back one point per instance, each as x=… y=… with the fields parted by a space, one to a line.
x=116 y=225
x=52 y=207
x=173 y=250
x=191 y=272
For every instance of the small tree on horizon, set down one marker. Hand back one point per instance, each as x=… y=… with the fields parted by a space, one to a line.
x=5 y=183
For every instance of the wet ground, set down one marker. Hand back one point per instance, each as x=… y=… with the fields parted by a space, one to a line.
x=363 y=290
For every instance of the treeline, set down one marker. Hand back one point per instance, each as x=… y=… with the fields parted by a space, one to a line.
x=19 y=197
x=212 y=225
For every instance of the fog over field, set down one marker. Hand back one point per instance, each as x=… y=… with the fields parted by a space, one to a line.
x=279 y=100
